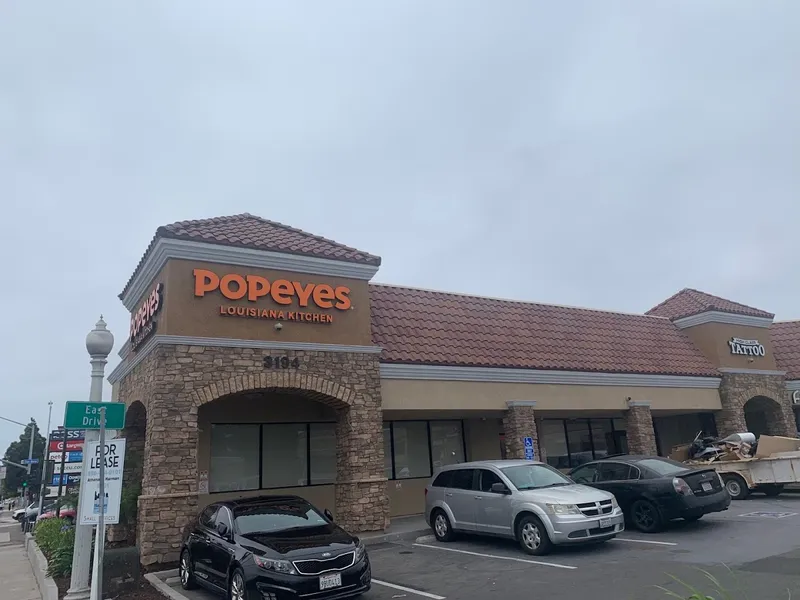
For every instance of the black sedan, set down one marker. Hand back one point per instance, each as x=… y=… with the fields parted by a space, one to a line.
x=273 y=548
x=652 y=490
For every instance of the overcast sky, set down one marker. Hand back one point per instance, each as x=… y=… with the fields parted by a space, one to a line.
x=601 y=154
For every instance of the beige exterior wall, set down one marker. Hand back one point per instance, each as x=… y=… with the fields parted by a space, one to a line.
x=712 y=340
x=419 y=395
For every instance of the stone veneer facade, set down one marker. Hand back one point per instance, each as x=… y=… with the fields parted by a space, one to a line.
x=519 y=422
x=173 y=381
x=639 y=426
x=736 y=389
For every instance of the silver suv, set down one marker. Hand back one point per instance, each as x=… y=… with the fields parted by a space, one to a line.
x=521 y=499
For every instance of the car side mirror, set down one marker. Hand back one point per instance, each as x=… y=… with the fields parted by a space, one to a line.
x=222 y=529
x=500 y=488
x=328 y=515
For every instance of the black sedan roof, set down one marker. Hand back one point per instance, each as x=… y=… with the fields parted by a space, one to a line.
x=260 y=500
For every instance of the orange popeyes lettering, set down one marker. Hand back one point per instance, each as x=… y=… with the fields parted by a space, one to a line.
x=282 y=291
x=238 y=292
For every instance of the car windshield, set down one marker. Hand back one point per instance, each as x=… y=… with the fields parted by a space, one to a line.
x=663 y=466
x=531 y=477
x=277 y=517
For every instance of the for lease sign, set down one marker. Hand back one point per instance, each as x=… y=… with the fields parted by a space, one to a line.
x=112 y=455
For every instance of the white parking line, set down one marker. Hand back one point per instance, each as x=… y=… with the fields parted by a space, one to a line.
x=407 y=589
x=524 y=560
x=619 y=539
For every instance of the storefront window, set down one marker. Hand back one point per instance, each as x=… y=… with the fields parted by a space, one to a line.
x=569 y=443
x=447 y=444
x=580 y=442
x=602 y=437
x=285 y=452
x=411 y=457
x=387 y=451
x=323 y=453
x=554 y=443
x=234 y=458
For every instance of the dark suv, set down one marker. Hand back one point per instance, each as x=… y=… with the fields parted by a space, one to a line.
x=652 y=490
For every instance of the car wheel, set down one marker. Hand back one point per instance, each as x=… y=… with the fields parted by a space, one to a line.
x=736 y=486
x=186 y=571
x=645 y=516
x=771 y=489
x=532 y=536
x=441 y=526
x=236 y=589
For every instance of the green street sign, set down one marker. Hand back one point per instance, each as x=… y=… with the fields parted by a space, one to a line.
x=86 y=415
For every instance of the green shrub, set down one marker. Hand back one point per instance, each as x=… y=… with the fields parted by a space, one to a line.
x=56 y=539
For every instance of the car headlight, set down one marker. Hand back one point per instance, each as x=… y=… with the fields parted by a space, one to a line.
x=361 y=551
x=563 y=509
x=279 y=566
x=614 y=503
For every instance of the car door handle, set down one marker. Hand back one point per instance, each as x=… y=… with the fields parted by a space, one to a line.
x=448 y=495
x=477 y=497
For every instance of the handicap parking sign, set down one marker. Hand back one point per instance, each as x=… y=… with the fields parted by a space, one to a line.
x=527 y=443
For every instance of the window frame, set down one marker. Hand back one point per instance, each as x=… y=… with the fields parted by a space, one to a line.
x=588 y=421
x=430 y=444
x=614 y=463
x=261 y=426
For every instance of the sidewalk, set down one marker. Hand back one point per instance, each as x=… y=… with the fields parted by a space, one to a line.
x=18 y=582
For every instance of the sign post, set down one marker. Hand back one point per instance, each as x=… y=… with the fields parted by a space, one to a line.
x=100 y=531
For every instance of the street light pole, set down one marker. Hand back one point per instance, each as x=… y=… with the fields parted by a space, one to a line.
x=44 y=458
x=99 y=343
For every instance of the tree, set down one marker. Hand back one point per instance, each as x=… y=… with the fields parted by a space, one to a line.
x=17 y=452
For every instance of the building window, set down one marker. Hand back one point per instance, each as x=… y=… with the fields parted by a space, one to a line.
x=569 y=443
x=418 y=449
x=234 y=458
x=251 y=457
x=323 y=453
x=553 y=442
x=447 y=444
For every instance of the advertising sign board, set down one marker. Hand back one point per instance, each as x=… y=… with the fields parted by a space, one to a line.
x=113 y=456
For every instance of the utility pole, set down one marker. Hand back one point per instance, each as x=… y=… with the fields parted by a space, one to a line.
x=45 y=457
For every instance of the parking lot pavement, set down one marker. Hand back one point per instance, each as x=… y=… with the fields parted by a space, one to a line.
x=753 y=548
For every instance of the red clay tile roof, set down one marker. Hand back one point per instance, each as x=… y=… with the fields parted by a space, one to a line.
x=690 y=302
x=426 y=327
x=248 y=231
x=786 y=345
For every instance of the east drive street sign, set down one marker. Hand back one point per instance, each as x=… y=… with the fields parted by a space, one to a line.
x=114 y=456
x=86 y=415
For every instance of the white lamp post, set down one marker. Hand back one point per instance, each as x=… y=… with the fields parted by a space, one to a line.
x=99 y=343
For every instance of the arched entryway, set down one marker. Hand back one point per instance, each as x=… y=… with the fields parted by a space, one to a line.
x=135 y=433
x=269 y=441
x=764 y=416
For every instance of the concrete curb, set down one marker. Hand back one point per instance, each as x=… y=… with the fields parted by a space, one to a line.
x=403 y=536
x=47 y=587
x=161 y=586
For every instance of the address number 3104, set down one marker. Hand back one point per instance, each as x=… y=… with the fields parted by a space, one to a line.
x=281 y=362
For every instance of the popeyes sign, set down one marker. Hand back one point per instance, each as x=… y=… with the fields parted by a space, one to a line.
x=284 y=293
x=143 y=322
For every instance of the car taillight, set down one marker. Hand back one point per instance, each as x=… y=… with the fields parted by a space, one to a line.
x=681 y=487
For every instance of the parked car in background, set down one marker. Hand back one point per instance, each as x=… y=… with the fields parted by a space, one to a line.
x=20 y=512
x=273 y=547
x=652 y=490
x=519 y=499
x=67 y=513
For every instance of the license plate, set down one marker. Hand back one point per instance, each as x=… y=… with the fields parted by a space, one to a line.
x=327 y=582
x=707 y=487
x=606 y=523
